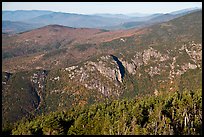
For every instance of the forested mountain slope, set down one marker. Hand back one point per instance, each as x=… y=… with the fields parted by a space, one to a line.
x=168 y=114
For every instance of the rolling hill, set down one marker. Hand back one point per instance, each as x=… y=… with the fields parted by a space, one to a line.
x=37 y=18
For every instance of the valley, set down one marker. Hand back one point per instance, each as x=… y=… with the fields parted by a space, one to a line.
x=56 y=68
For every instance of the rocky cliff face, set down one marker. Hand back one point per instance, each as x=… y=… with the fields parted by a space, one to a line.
x=38 y=84
x=102 y=75
x=106 y=74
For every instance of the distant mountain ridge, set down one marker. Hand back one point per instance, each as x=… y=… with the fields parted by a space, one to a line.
x=21 y=15
x=102 y=21
x=186 y=10
x=17 y=26
x=75 y=20
x=152 y=19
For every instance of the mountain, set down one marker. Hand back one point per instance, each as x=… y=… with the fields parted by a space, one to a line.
x=137 y=14
x=75 y=20
x=22 y=20
x=140 y=22
x=17 y=27
x=21 y=15
x=185 y=10
x=172 y=15
x=63 y=67
x=145 y=18
x=41 y=40
x=121 y=16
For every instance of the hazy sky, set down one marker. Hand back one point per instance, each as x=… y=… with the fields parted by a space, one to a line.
x=102 y=7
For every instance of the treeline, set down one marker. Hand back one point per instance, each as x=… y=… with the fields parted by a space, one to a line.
x=171 y=113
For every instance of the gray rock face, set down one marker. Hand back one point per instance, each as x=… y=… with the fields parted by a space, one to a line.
x=102 y=75
x=194 y=51
x=154 y=70
x=106 y=71
x=131 y=67
x=147 y=54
